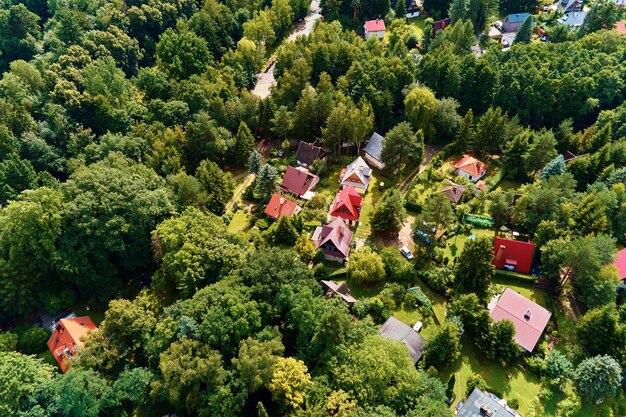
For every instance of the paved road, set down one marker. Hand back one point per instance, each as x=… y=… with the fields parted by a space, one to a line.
x=265 y=80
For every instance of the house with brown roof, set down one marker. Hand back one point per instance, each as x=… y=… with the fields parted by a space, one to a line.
x=357 y=174
x=453 y=191
x=68 y=339
x=528 y=317
x=332 y=290
x=307 y=154
x=396 y=330
x=280 y=206
x=299 y=182
x=470 y=168
x=347 y=205
x=333 y=240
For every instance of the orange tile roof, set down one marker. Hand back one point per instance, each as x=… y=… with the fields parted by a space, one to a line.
x=471 y=165
x=68 y=338
x=280 y=206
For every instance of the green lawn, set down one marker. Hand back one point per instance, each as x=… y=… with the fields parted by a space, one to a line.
x=48 y=358
x=97 y=315
x=364 y=230
x=456 y=243
x=238 y=222
x=508 y=185
x=418 y=25
x=527 y=290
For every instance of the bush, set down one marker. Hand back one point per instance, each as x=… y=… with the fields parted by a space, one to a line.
x=422 y=299
x=8 y=342
x=33 y=341
x=54 y=303
x=514 y=403
x=262 y=224
x=476 y=381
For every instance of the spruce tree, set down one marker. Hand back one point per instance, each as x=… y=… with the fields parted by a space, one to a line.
x=400 y=9
x=555 y=167
x=244 y=144
x=458 y=10
x=525 y=31
x=254 y=162
x=266 y=182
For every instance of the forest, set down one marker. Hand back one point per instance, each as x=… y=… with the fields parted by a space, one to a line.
x=132 y=144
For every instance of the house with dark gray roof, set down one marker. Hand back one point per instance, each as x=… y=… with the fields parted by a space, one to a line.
x=484 y=404
x=373 y=151
x=573 y=19
x=396 y=330
x=357 y=174
x=307 y=154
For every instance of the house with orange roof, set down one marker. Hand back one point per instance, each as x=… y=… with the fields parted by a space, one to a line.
x=68 y=339
x=347 y=205
x=280 y=206
x=470 y=168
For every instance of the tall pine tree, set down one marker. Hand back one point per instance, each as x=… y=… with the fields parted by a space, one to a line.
x=244 y=144
x=525 y=31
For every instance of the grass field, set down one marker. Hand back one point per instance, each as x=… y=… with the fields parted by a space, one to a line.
x=371 y=197
x=238 y=222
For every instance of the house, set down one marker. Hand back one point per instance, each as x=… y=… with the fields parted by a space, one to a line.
x=332 y=290
x=374 y=28
x=480 y=187
x=373 y=150
x=440 y=25
x=573 y=19
x=394 y=329
x=307 y=154
x=621 y=27
x=347 y=205
x=453 y=191
x=571 y=5
x=620 y=4
x=484 y=404
x=299 y=182
x=513 y=255
x=413 y=7
x=68 y=339
x=470 y=168
x=357 y=174
x=513 y=21
x=528 y=317
x=620 y=264
x=334 y=240
x=280 y=206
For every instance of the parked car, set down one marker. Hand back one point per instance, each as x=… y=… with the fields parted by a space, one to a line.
x=406 y=253
x=423 y=236
x=418 y=326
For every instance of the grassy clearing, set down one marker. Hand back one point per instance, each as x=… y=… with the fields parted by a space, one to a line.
x=418 y=25
x=371 y=197
x=97 y=315
x=508 y=185
x=456 y=244
x=238 y=222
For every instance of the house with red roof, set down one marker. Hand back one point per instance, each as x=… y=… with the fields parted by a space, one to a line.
x=528 y=317
x=470 y=168
x=68 y=339
x=333 y=240
x=280 y=206
x=347 y=205
x=374 y=28
x=620 y=264
x=621 y=26
x=513 y=255
x=298 y=181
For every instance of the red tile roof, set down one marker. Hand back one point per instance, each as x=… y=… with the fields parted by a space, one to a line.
x=280 y=206
x=620 y=263
x=471 y=165
x=621 y=27
x=375 y=25
x=298 y=181
x=336 y=233
x=513 y=252
x=347 y=204
x=528 y=317
x=67 y=339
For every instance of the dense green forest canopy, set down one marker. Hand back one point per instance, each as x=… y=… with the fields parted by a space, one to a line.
x=121 y=119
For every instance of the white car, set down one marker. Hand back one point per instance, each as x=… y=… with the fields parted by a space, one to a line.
x=406 y=252
x=418 y=326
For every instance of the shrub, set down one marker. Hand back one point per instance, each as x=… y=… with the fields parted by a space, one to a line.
x=514 y=403
x=262 y=224
x=8 y=342
x=33 y=341
x=475 y=381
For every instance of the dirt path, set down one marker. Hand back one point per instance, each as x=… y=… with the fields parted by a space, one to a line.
x=429 y=152
x=239 y=191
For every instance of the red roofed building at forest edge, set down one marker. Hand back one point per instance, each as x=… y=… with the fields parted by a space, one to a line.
x=68 y=339
x=347 y=205
x=513 y=255
x=528 y=318
x=280 y=206
x=334 y=240
x=374 y=28
x=620 y=264
x=470 y=168
x=299 y=181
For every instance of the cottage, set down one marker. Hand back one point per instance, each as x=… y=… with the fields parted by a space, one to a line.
x=307 y=154
x=513 y=21
x=374 y=28
x=571 y=5
x=299 y=182
x=347 y=205
x=484 y=404
x=357 y=174
x=394 y=329
x=68 y=339
x=334 y=240
x=373 y=151
x=453 y=191
x=620 y=264
x=332 y=290
x=470 y=168
x=513 y=255
x=528 y=317
x=280 y=206
x=573 y=19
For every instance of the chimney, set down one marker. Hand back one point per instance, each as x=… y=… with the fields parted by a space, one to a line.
x=527 y=315
x=501 y=250
x=282 y=201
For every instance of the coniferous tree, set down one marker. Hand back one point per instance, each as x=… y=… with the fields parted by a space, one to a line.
x=266 y=182
x=254 y=162
x=244 y=144
x=524 y=32
x=400 y=9
x=474 y=269
x=458 y=10
x=556 y=166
